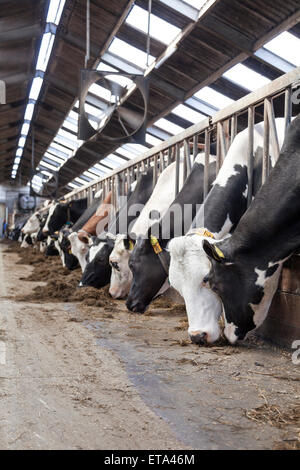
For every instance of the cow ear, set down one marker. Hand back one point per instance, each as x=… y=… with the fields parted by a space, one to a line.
x=129 y=243
x=213 y=252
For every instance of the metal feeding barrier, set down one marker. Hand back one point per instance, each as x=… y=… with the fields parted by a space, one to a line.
x=264 y=104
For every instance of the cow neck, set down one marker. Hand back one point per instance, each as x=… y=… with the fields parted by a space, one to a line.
x=159 y=252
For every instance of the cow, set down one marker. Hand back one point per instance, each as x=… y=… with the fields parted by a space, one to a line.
x=245 y=268
x=149 y=261
x=98 y=269
x=62 y=213
x=51 y=249
x=72 y=251
x=161 y=198
x=33 y=224
x=217 y=218
x=97 y=222
x=27 y=241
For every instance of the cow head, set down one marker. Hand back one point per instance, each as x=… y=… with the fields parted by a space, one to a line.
x=57 y=218
x=148 y=273
x=246 y=291
x=188 y=267
x=51 y=250
x=79 y=249
x=32 y=225
x=69 y=260
x=121 y=276
x=98 y=271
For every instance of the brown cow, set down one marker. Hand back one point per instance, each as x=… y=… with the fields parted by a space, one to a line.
x=97 y=223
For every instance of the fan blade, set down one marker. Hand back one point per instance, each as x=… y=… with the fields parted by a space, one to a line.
x=103 y=117
x=133 y=118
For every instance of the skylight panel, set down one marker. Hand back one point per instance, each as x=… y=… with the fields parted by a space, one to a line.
x=196 y=3
x=25 y=129
x=35 y=88
x=54 y=158
x=101 y=168
x=113 y=160
x=210 y=96
x=73 y=185
x=47 y=165
x=80 y=180
x=188 y=113
x=287 y=46
x=159 y=28
x=126 y=153
x=68 y=124
x=130 y=53
x=59 y=150
x=168 y=126
x=55 y=11
x=93 y=176
x=21 y=142
x=150 y=139
x=246 y=77
x=45 y=51
x=29 y=111
x=100 y=91
x=102 y=67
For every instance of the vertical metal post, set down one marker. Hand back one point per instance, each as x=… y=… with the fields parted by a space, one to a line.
x=287 y=108
x=170 y=155
x=195 y=147
x=206 y=167
x=88 y=40
x=273 y=130
x=154 y=171
x=177 y=169
x=250 y=156
x=233 y=128
x=148 y=31
x=266 y=149
x=187 y=158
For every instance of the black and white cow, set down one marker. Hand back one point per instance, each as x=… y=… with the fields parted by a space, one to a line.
x=245 y=268
x=62 y=213
x=72 y=251
x=217 y=218
x=150 y=270
x=97 y=272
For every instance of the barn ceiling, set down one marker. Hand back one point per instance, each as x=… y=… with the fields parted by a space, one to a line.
x=228 y=33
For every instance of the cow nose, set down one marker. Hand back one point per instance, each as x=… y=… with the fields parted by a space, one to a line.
x=205 y=280
x=198 y=337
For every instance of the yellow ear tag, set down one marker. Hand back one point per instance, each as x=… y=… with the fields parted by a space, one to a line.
x=70 y=251
x=156 y=246
x=219 y=252
x=131 y=245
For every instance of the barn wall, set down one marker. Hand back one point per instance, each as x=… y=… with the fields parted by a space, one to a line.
x=282 y=325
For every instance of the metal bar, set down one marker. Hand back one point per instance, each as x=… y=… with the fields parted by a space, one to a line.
x=206 y=167
x=148 y=31
x=257 y=96
x=250 y=156
x=195 y=147
x=233 y=128
x=177 y=169
x=187 y=157
x=155 y=172
x=287 y=108
x=273 y=130
x=88 y=39
x=221 y=138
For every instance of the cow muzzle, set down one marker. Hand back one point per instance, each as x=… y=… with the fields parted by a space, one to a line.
x=198 y=337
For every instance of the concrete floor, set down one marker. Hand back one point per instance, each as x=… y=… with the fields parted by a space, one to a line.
x=74 y=376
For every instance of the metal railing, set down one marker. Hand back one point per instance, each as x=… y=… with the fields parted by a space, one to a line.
x=220 y=128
